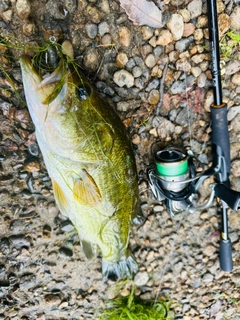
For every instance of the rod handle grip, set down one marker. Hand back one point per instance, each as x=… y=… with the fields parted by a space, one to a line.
x=226 y=262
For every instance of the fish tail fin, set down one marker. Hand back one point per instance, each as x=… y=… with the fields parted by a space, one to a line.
x=126 y=267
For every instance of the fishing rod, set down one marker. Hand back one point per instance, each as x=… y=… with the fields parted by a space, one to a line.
x=175 y=177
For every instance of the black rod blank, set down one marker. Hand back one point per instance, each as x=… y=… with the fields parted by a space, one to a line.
x=220 y=135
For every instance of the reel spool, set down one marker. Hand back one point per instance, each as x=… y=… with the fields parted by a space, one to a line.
x=174 y=178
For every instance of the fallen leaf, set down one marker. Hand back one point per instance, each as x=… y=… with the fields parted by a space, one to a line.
x=143 y=12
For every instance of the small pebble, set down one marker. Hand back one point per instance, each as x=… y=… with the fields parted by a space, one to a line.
x=23 y=8
x=176 y=26
x=147 y=33
x=32 y=166
x=123 y=78
x=235 y=21
x=165 y=37
x=137 y=72
x=154 y=97
x=124 y=36
x=195 y=8
x=91 y=30
x=150 y=61
x=236 y=79
x=121 y=60
x=103 y=28
x=141 y=278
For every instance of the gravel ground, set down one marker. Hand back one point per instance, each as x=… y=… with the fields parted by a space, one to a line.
x=159 y=82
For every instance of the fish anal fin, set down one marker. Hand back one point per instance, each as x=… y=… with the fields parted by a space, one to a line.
x=60 y=197
x=88 y=249
x=86 y=191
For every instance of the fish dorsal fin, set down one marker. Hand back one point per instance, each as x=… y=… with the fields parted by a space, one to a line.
x=61 y=200
x=86 y=190
x=88 y=249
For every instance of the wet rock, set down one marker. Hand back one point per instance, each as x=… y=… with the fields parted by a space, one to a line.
x=195 y=8
x=141 y=278
x=235 y=21
x=23 y=8
x=176 y=26
x=91 y=30
x=123 y=78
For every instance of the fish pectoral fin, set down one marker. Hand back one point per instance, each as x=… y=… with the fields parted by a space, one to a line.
x=86 y=190
x=60 y=197
x=88 y=249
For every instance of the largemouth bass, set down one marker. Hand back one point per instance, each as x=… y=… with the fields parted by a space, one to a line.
x=89 y=159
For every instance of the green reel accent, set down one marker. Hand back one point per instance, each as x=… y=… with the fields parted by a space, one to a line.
x=171 y=163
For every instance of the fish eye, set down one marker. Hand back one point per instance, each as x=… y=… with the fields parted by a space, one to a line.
x=84 y=91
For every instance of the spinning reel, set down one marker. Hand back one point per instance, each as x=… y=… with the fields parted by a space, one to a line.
x=175 y=180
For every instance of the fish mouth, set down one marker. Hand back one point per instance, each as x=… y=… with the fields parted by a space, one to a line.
x=46 y=87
